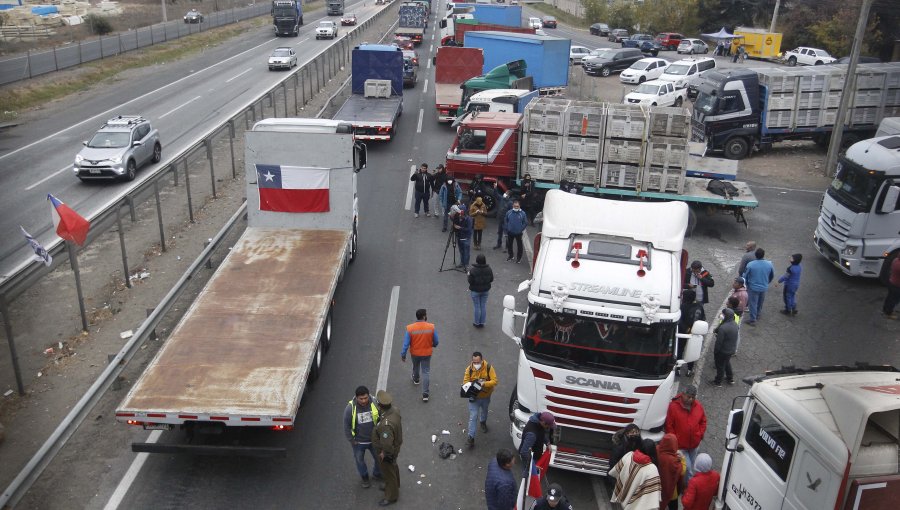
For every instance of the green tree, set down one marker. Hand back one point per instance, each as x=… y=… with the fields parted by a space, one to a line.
x=595 y=11
x=100 y=25
x=657 y=16
x=622 y=15
x=836 y=33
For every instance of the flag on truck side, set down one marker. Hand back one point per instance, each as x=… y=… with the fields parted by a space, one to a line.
x=68 y=224
x=294 y=189
x=40 y=253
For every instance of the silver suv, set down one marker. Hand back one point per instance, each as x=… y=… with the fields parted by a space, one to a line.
x=118 y=149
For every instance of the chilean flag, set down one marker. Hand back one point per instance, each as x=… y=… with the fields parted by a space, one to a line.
x=293 y=189
x=534 y=480
x=68 y=223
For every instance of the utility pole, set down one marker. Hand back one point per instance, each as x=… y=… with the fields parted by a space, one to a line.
x=774 y=16
x=163 y=2
x=837 y=133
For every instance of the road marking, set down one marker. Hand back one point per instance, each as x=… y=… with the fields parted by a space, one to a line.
x=45 y=179
x=419 y=126
x=791 y=189
x=431 y=49
x=229 y=80
x=173 y=110
x=409 y=189
x=425 y=89
x=388 y=345
x=301 y=41
x=428 y=65
x=131 y=475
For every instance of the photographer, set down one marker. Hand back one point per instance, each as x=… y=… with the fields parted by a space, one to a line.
x=482 y=379
x=462 y=227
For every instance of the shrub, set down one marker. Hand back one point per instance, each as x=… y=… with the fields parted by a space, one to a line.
x=99 y=25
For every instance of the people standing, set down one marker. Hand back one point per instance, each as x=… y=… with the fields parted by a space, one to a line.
x=791 y=281
x=480 y=278
x=438 y=178
x=686 y=419
x=554 y=500
x=691 y=312
x=481 y=372
x=515 y=222
x=535 y=437
x=500 y=484
x=462 y=225
x=450 y=194
x=733 y=302
x=625 y=440
x=703 y=486
x=504 y=204
x=700 y=280
x=740 y=292
x=421 y=188
x=387 y=439
x=758 y=275
x=725 y=347
x=360 y=417
x=749 y=256
x=478 y=212
x=420 y=340
x=893 y=295
x=637 y=480
x=670 y=469
x=528 y=197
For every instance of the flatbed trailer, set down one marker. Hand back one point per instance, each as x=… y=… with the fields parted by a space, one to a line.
x=376 y=100
x=372 y=118
x=447 y=97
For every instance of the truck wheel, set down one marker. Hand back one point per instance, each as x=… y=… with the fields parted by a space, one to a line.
x=354 y=244
x=737 y=148
x=325 y=342
x=316 y=368
x=886 y=267
x=819 y=62
x=792 y=61
x=605 y=72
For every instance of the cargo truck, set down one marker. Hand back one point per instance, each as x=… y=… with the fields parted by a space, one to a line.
x=507 y=15
x=335 y=7
x=758 y=43
x=600 y=344
x=376 y=100
x=739 y=110
x=252 y=343
x=287 y=17
x=511 y=75
x=463 y=26
x=859 y=220
x=412 y=22
x=452 y=67
x=820 y=438
x=547 y=56
x=448 y=23
x=501 y=100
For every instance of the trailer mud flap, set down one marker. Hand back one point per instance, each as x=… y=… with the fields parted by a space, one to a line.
x=210 y=450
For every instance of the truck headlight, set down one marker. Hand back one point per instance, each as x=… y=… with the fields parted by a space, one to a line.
x=850 y=250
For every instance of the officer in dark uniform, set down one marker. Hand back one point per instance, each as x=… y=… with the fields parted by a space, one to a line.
x=387 y=439
x=554 y=500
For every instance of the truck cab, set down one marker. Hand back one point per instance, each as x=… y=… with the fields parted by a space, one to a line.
x=335 y=7
x=486 y=143
x=512 y=75
x=726 y=113
x=501 y=100
x=287 y=16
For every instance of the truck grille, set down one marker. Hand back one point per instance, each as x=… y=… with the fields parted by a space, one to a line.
x=698 y=133
x=833 y=225
x=590 y=410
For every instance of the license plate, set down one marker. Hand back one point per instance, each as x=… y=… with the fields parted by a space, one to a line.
x=157 y=426
x=94 y=171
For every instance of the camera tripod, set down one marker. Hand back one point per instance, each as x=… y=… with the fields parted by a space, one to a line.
x=451 y=240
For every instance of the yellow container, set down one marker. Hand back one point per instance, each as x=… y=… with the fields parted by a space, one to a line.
x=757 y=42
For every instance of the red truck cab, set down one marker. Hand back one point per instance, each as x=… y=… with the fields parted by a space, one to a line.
x=486 y=143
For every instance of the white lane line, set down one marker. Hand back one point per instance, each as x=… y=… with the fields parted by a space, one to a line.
x=173 y=110
x=388 y=345
x=229 y=80
x=131 y=475
x=409 y=189
x=431 y=49
x=425 y=89
x=45 y=179
x=301 y=41
x=419 y=126
x=428 y=65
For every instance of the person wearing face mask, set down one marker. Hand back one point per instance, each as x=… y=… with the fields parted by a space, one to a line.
x=515 y=223
x=481 y=373
x=528 y=196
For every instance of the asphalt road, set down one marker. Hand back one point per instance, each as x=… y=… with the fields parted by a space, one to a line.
x=183 y=100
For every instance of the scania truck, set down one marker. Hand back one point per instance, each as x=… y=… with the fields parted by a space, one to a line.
x=600 y=342
x=287 y=17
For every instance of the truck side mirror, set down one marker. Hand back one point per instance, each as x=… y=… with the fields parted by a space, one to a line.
x=359 y=156
x=735 y=422
x=889 y=204
x=434 y=61
x=509 y=318
x=695 y=342
x=443 y=23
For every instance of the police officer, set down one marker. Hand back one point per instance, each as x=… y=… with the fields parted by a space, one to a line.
x=387 y=439
x=553 y=500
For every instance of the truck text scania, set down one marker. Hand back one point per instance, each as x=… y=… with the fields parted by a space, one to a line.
x=600 y=342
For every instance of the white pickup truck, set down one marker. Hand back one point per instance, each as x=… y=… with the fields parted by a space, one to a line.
x=656 y=93
x=326 y=30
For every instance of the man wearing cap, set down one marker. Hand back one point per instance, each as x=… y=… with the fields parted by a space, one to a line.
x=387 y=439
x=420 y=340
x=535 y=437
x=699 y=279
x=463 y=225
x=739 y=291
x=360 y=417
x=450 y=194
x=687 y=420
x=553 y=499
x=725 y=347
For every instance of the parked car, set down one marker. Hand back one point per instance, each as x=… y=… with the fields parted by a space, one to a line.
x=193 y=16
x=601 y=29
x=634 y=41
x=535 y=23
x=116 y=151
x=691 y=46
x=576 y=53
x=643 y=70
x=669 y=40
x=410 y=72
x=348 y=19
x=606 y=61
x=326 y=30
x=412 y=55
x=808 y=56
x=684 y=72
x=617 y=35
x=283 y=57
x=548 y=22
x=656 y=93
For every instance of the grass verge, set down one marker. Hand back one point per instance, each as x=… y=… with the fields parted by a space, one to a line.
x=561 y=16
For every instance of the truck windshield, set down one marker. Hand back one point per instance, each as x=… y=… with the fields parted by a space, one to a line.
x=285 y=12
x=706 y=103
x=478 y=107
x=854 y=187
x=600 y=346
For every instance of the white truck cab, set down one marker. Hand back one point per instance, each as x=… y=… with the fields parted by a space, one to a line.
x=500 y=100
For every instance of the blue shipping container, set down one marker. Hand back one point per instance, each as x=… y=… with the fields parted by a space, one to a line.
x=547 y=56
x=377 y=62
x=506 y=15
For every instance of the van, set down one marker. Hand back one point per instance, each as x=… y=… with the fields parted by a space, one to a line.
x=686 y=71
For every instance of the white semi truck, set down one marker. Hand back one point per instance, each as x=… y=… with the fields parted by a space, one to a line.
x=600 y=342
x=251 y=344
x=818 y=439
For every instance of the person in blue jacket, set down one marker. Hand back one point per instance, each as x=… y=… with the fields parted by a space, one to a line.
x=450 y=194
x=758 y=275
x=515 y=222
x=791 y=281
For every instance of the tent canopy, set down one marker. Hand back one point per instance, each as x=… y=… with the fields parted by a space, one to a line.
x=721 y=34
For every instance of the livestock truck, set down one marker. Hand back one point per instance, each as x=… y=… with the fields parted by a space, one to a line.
x=413 y=17
x=287 y=17
x=252 y=343
x=376 y=100
x=452 y=67
x=600 y=343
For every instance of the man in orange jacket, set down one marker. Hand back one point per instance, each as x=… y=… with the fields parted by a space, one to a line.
x=420 y=340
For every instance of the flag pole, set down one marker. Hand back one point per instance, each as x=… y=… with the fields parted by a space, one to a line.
x=73 y=261
x=7 y=325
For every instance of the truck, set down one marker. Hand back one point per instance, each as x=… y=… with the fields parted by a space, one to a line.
x=448 y=23
x=511 y=75
x=412 y=22
x=253 y=341
x=501 y=100
x=335 y=7
x=376 y=100
x=547 y=56
x=287 y=17
x=857 y=229
x=758 y=43
x=823 y=437
x=452 y=67
x=507 y=15
x=600 y=343
x=739 y=110
x=464 y=25
x=611 y=150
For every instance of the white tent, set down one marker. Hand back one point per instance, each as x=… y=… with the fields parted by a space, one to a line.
x=722 y=34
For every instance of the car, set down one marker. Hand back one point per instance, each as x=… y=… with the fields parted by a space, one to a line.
x=618 y=35
x=282 y=58
x=807 y=56
x=576 y=53
x=548 y=22
x=412 y=56
x=410 y=72
x=601 y=29
x=650 y=47
x=348 y=19
x=669 y=40
x=643 y=70
x=686 y=71
x=691 y=46
x=193 y=16
x=862 y=60
x=403 y=42
x=116 y=151
x=326 y=30
x=634 y=41
x=656 y=93
x=605 y=61
x=535 y=23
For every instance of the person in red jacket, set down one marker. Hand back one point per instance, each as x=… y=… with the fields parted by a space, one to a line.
x=703 y=486
x=687 y=420
x=669 y=463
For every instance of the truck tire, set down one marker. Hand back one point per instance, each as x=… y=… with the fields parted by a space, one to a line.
x=325 y=342
x=792 y=61
x=354 y=243
x=316 y=368
x=737 y=147
x=886 y=267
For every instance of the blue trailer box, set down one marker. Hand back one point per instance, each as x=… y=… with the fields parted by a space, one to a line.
x=547 y=56
x=377 y=62
x=507 y=15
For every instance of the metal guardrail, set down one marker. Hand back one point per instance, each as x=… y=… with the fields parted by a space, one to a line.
x=326 y=64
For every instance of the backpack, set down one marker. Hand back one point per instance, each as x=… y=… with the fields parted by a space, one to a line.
x=722 y=188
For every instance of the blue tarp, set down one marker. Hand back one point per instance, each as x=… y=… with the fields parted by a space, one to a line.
x=41 y=10
x=377 y=62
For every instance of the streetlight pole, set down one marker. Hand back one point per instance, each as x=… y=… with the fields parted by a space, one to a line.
x=849 y=86
x=774 y=16
x=163 y=2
